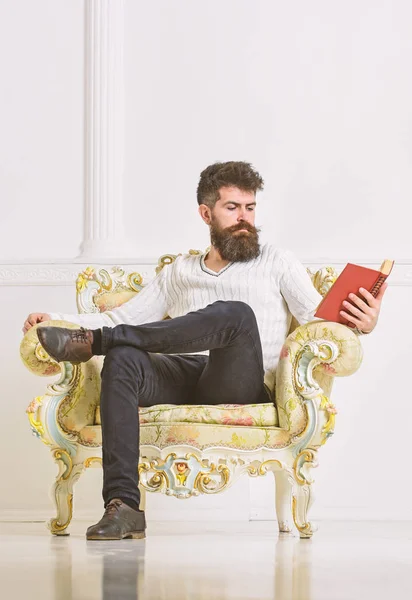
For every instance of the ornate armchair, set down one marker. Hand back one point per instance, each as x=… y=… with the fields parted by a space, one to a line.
x=192 y=450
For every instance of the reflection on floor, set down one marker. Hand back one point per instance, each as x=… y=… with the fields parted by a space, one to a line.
x=344 y=561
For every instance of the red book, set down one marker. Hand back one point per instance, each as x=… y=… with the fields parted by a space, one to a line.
x=349 y=281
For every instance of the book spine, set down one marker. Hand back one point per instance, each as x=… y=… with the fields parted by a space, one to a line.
x=378 y=284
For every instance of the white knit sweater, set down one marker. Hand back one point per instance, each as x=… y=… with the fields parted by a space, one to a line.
x=276 y=285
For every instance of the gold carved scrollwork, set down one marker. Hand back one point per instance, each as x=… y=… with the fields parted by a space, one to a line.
x=184 y=476
x=134 y=281
x=323 y=279
x=92 y=459
x=83 y=278
x=157 y=481
x=41 y=354
x=109 y=281
x=37 y=427
x=205 y=484
x=331 y=412
x=326 y=352
x=262 y=469
x=164 y=260
x=310 y=356
x=305 y=529
x=65 y=460
x=105 y=280
x=167 y=259
x=302 y=497
x=35 y=423
x=306 y=456
x=65 y=463
x=54 y=525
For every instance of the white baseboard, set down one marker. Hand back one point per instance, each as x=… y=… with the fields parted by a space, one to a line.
x=210 y=516
x=197 y=515
x=336 y=513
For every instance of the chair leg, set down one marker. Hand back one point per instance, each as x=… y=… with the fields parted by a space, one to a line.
x=302 y=500
x=62 y=491
x=302 y=497
x=284 y=485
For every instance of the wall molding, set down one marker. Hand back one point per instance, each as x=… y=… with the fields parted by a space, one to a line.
x=46 y=273
x=63 y=274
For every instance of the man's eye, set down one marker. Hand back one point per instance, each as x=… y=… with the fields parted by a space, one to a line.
x=251 y=208
x=231 y=208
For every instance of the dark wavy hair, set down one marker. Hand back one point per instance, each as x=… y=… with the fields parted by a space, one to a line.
x=226 y=174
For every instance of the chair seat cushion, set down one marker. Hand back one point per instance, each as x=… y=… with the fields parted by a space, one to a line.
x=238 y=426
x=199 y=435
x=244 y=415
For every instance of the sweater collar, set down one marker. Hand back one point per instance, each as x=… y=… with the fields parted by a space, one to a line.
x=209 y=271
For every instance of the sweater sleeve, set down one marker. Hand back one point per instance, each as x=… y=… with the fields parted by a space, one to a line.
x=151 y=304
x=297 y=288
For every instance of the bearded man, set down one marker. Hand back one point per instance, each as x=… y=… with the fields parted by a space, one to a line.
x=230 y=311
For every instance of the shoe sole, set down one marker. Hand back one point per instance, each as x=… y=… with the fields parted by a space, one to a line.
x=134 y=535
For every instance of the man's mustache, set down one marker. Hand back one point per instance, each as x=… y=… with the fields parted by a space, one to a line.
x=246 y=226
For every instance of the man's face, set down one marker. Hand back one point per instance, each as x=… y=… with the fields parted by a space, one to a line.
x=232 y=225
x=234 y=207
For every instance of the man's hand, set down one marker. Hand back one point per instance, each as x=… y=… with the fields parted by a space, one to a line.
x=33 y=319
x=365 y=314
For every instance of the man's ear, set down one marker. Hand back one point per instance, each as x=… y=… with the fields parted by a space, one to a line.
x=205 y=213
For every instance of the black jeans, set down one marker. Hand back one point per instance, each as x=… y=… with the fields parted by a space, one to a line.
x=133 y=375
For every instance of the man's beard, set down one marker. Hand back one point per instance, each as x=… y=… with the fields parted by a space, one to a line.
x=235 y=247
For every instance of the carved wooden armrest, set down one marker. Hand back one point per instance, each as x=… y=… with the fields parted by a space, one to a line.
x=311 y=357
x=34 y=356
x=69 y=404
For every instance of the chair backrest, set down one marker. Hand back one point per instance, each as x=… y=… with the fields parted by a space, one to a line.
x=98 y=291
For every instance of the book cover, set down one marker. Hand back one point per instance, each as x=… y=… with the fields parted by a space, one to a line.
x=349 y=281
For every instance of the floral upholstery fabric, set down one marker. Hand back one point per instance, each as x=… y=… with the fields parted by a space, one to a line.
x=111 y=300
x=199 y=435
x=258 y=415
x=79 y=408
x=243 y=415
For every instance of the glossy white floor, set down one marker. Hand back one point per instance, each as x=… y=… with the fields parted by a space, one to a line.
x=344 y=561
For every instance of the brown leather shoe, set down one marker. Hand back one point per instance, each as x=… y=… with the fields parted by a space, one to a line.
x=74 y=345
x=118 y=522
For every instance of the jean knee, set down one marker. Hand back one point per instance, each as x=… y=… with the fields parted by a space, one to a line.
x=127 y=357
x=241 y=312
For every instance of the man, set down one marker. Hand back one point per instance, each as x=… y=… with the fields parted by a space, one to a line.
x=236 y=302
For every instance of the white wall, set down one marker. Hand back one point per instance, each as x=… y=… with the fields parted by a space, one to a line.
x=317 y=96
x=41 y=125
